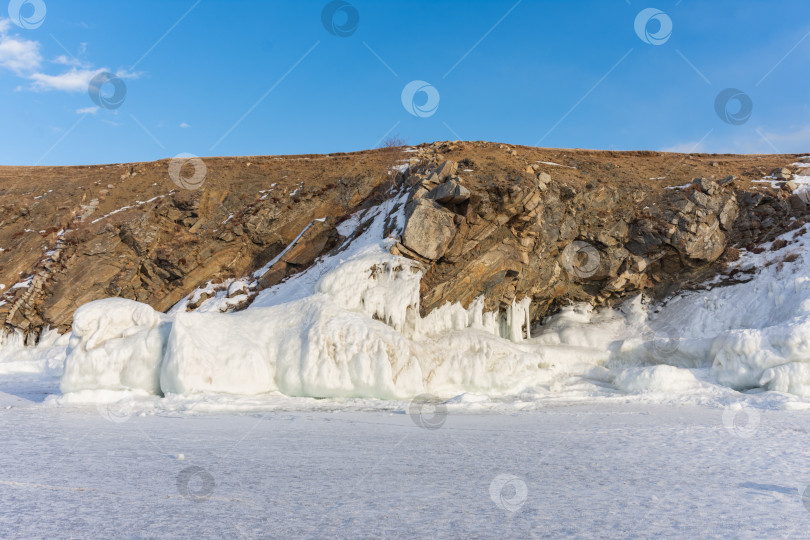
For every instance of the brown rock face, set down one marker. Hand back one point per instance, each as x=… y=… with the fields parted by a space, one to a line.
x=429 y=228
x=449 y=192
x=317 y=238
x=525 y=233
x=69 y=238
x=482 y=218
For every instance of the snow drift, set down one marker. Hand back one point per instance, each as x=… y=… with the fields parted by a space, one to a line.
x=315 y=346
x=115 y=343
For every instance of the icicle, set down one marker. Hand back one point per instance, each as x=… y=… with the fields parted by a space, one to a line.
x=511 y=324
x=475 y=313
x=516 y=317
x=527 y=318
x=491 y=323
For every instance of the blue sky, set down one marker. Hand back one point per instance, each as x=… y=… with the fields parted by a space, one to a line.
x=216 y=77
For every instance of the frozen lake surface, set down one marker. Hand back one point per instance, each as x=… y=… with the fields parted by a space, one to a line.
x=588 y=470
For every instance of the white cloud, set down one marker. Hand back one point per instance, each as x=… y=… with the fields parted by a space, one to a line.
x=65 y=60
x=20 y=56
x=75 y=80
x=87 y=110
x=184 y=125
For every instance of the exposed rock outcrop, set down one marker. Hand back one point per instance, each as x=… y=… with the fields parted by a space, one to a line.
x=534 y=237
x=483 y=219
x=429 y=228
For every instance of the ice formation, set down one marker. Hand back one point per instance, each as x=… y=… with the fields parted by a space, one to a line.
x=350 y=327
x=115 y=344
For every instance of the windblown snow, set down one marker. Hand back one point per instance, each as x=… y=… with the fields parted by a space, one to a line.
x=349 y=327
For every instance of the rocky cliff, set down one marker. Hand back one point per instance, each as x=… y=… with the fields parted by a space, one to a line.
x=481 y=218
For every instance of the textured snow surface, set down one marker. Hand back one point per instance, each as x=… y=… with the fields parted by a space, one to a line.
x=580 y=471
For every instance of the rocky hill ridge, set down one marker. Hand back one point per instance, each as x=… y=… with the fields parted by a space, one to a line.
x=486 y=219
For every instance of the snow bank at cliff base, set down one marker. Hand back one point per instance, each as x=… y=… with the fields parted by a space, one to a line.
x=115 y=344
x=309 y=347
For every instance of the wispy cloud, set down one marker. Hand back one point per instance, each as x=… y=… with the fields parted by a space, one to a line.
x=184 y=125
x=686 y=147
x=761 y=140
x=87 y=110
x=794 y=141
x=20 y=56
x=71 y=61
x=23 y=58
x=75 y=80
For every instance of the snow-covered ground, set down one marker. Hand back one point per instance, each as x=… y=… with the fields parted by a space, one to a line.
x=330 y=408
x=598 y=470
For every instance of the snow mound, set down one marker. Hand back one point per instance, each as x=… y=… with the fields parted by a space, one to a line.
x=47 y=357
x=752 y=334
x=307 y=348
x=115 y=344
x=793 y=378
x=315 y=347
x=668 y=379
